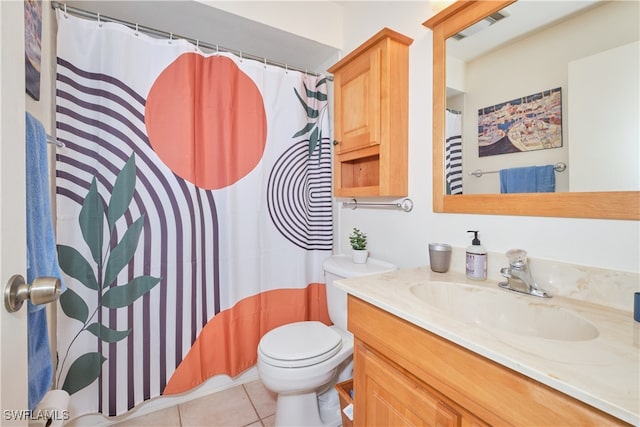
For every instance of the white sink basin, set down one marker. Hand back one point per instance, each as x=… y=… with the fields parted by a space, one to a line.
x=503 y=311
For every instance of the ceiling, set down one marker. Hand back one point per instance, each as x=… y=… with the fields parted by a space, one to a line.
x=192 y=19
x=524 y=16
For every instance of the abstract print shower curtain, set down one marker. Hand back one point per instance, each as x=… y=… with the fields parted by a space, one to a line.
x=453 y=152
x=194 y=211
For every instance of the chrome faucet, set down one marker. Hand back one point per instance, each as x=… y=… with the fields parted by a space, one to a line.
x=519 y=277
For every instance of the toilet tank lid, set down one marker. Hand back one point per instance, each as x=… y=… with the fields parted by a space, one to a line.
x=343 y=266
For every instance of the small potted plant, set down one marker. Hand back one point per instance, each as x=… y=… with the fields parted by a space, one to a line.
x=358 y=242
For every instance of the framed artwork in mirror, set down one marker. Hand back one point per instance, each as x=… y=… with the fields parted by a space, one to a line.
x=532 y=122
x=32 y=38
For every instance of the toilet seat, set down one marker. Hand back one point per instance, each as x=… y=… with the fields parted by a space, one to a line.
x=299 y=344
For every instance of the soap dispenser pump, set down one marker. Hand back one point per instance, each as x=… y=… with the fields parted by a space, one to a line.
x=476 y=259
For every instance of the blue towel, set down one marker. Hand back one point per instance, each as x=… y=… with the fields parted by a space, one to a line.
x=42 y=257
x=530 y=179
x=545 y=179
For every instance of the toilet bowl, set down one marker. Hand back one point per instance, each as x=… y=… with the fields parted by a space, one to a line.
x=302 y=361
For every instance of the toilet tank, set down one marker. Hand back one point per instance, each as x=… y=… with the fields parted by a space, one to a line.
x=338 y=267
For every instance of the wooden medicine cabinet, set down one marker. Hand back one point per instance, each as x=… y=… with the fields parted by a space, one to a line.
x=371 y=104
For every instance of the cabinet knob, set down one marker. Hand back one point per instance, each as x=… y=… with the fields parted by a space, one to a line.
x=336 y=142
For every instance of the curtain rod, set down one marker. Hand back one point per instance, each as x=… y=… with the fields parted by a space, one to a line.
x=164 y=34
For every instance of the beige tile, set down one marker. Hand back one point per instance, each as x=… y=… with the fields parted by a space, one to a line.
x=256 y=424
x=263 y=400
x=269 y=421
x=169 y=417
x=229 y=408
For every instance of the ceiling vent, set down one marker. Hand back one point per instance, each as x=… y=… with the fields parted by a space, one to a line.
x=480 y=25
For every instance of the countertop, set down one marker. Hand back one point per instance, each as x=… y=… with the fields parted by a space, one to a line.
x=603 y=372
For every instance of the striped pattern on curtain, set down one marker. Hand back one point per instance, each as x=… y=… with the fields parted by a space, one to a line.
x=453 y=153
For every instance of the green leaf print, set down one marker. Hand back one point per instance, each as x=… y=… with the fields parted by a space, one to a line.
x=73 y=263
x=315 y=137
x=317 y=95
x=92 y=213
x=124 y=295
x=86 y=368
x=83 y=371
x=122 y=254
x=107 y=334
x=74 y=306
x=304 y=130
x=123 y=190
x=310 y=111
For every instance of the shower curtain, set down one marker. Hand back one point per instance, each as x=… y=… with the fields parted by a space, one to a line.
x=453 y=152
x=193 y=208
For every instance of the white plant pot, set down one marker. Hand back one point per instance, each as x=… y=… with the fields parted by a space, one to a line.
x=359 y=256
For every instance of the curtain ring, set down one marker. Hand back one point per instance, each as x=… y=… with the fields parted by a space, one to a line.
x=99 y=21
x=240 y=56
x=170 y=38
x=136 y=30
x=217 y=49
x=65 y=11
x=265 y=63
x=197 y=44
x=286 y=68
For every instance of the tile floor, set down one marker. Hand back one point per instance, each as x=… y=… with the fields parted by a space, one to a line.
x=250 y=405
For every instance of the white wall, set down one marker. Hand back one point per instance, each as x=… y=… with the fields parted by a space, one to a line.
x=313 y=20
x=605 y=131
x=402 y=238
x=456 y=75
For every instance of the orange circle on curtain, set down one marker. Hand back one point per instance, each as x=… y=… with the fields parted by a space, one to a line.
x=205 y=119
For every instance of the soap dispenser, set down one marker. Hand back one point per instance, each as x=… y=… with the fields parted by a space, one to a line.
x=476 y=259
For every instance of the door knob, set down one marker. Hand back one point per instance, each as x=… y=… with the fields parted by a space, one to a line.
x=43 y=290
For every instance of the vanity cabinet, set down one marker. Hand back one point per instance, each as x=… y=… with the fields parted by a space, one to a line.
x=393 y=397
x=371 y=88
x=405 y=375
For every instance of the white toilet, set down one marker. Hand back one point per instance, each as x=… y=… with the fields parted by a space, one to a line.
x=302 y=361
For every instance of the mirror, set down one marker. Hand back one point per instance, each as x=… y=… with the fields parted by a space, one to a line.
x=584 y=204
x=559 y=52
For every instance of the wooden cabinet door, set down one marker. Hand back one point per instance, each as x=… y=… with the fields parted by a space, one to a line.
x=386 y=396
x=357 y=102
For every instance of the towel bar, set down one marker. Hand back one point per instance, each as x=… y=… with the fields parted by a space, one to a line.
x=52 y=140
x=558 y=167
x=405 y=205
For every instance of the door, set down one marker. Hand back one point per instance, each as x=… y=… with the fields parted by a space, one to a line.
x=392 y=398
x=357 y=93
x=13 y=326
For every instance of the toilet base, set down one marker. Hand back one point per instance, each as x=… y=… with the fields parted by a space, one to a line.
x=310 y=409
x=298 y=410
